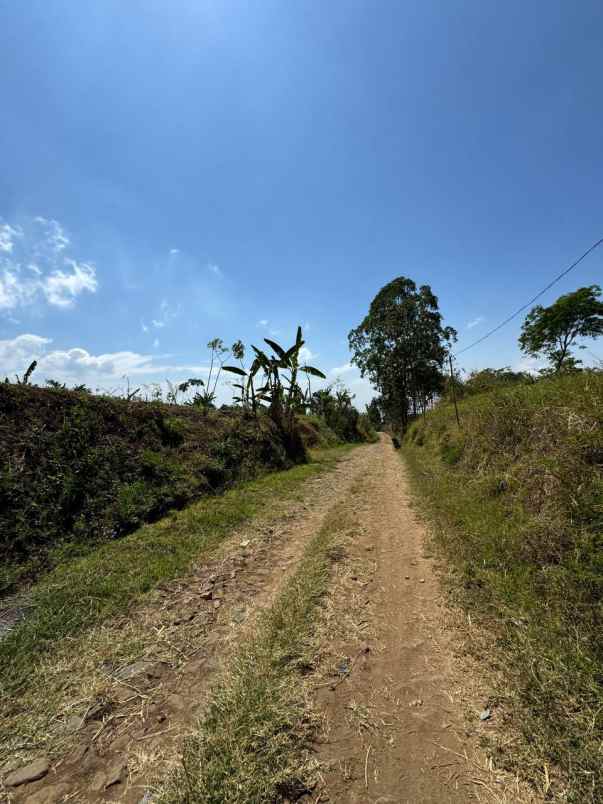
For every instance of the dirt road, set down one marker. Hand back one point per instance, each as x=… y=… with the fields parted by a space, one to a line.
x=404 y=724
x=398 y=721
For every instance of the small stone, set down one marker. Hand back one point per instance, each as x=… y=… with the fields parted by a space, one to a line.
x=486 y=714
x=98 y=782
x=421 y=580
x=28 y=773
x=416 y=702
x=206 y=594
x=116 y=773
x=245 y=543
x=407 y=577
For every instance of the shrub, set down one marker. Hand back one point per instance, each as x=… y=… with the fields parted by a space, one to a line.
x=83 y=468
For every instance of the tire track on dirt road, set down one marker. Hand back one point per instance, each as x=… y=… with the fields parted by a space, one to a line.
x=146 y=708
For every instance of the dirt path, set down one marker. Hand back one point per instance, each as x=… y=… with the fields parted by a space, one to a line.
x=399 y=721
x=128 y=721
x=389 y=687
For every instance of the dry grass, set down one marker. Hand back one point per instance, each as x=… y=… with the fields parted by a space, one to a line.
x=252 y=745
x=516 y=502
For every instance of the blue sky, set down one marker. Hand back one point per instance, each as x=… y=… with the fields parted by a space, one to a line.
x=175 y=171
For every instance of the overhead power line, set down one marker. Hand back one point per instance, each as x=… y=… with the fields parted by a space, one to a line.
x=528 y=304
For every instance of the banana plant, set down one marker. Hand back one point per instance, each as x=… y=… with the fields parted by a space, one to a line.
x=280 y=391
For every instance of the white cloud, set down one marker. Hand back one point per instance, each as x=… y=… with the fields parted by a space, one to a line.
x=156 y=343
x=263 y=322
x=174 y=251
x=305 y=354
x=7 y=237
x=215 y=269
x=144 y=327
x=33 y=265
x=77 y=365
x=347 y=367
x=62 y=288
x=531 y=365
x=476 y=322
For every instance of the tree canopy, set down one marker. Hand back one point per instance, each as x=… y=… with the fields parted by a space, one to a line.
x=552 y=331
x=401 y=346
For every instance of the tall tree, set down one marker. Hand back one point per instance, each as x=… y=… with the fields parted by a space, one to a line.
x=401 y=346
x=552 y=331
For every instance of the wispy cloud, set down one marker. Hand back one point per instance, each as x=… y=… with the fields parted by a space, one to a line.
x=174 y=251
x=476 y=322
x=167 y=313
x=263 y=322
x=34 y=265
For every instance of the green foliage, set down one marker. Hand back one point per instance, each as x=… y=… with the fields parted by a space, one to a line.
x=488 y=379
x=401 y=346
x=551 y=331
x=517 y=499
x=279 y=390
x=87 y=469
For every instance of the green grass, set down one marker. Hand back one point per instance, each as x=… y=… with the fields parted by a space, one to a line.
x=517 y=506
x=251 y=748
x=85 y=591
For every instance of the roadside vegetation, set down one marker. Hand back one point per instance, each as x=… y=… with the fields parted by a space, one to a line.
x=78 y=470
x=509 y=464
x=516 y=498
x=84 y=592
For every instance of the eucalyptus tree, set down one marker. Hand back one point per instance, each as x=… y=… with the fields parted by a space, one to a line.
x=401 y=346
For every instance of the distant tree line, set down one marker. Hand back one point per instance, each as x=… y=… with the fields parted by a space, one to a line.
x=402 y=347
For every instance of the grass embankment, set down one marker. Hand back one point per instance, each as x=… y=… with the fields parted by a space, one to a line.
x=252 y=745
x=77 y=470
x=516 y=497
x=82 y=592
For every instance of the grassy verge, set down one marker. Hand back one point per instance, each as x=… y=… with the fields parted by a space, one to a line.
x=516 y=503
x=251 y=746
x=81 y=593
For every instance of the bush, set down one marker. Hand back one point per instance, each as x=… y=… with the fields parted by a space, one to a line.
x=83 y=468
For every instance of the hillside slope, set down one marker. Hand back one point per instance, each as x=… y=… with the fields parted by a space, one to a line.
x=77 y=469
x=516 y=499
